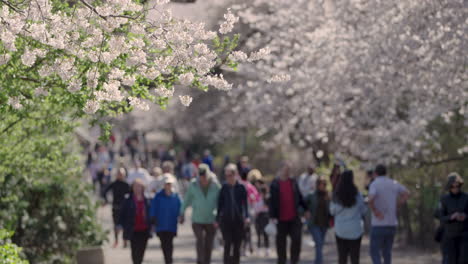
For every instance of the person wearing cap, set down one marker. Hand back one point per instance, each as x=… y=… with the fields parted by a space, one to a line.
x=202 y=195
x=454 y=216
x=232 y=214
x=164 y=212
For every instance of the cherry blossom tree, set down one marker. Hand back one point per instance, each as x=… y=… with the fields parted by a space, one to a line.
x=105 y=57
x=360 y=77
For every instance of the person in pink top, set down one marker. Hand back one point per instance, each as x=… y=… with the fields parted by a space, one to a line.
x=252 y=199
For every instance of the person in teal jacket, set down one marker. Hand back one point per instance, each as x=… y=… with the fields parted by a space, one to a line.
x=202 y=196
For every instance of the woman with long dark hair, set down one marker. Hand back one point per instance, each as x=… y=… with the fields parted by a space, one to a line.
x=348 y=208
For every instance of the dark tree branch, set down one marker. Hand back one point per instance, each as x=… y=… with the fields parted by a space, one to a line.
x=11 y=6
x=442 y=161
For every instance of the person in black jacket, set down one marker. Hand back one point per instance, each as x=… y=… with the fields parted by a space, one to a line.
x=454 y=216
x=232 y=214
x=135 y=220
x=286 y=206
x=119 y=189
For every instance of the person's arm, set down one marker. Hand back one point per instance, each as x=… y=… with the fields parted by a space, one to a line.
x=187 y=201
x=372 y=197
x=272 y=209
x=244 y=203
x=403 y=196
x=334 y=208
x=153 y=211
x=362 y=205
x=106 y=190
x=220 y=205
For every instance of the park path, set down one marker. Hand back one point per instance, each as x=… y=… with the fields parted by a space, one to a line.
x=184 y=252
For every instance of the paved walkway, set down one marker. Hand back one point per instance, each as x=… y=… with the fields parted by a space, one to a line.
x=185 y=250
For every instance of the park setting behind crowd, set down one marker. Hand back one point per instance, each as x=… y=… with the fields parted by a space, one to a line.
x=233 y=131
x=245 y=213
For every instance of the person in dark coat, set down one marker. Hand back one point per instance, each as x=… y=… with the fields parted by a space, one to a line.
x=232 y=214
x=285 y=208
x=119 y=189
x=454 y=216
x=135 y=220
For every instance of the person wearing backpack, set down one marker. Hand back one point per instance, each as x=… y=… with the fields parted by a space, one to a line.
x=348 y=208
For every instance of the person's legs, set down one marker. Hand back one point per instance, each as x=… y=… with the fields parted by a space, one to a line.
x=318 y=235
x=236 y=243
x=387 y=246
x=138 y=246
x=375 y=245
x=227 y=238
x=342 y=250
x=210 y=232
x=355 y=250
x=258 y=229
x=198 y=232
x=281 y=242
x=166 y=239
x=296 y=241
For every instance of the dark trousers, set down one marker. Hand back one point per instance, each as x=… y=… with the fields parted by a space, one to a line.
x=348 y=248
x=260 y=223
x=204 y=234
x=456 y=249
x=233 y=233
x=138 y=246
x=293 y=229
x=167 y=245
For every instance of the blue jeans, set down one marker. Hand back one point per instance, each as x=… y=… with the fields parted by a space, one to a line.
x=318 y=234
x=381 y=243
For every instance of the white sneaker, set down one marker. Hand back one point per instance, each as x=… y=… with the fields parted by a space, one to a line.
x=311 y=243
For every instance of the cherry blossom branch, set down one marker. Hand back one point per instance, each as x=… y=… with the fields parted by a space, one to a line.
x=11 y=6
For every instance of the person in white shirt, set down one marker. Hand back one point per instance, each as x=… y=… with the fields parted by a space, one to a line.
x=139 y=173
x=307 y=181
x=157 y=183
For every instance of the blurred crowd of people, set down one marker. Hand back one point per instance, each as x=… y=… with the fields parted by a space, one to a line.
x=240 y=200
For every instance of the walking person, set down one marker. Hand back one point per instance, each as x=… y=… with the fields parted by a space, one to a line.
x=134 y=219
x=385 y=196
x=252 y=198
x=165 y=211
x=319 y=217
x=307 y=181
x=119 y=189
x=262 y=218
x=232 y=214
x=286 y=203
x=348 y=208
x=202 y=195
x=454 y=215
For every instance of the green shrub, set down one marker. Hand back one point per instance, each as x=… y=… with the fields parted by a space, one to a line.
x=9 y=252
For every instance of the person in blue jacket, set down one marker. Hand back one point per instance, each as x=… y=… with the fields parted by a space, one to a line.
x=135 y=221
x=165 y=210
